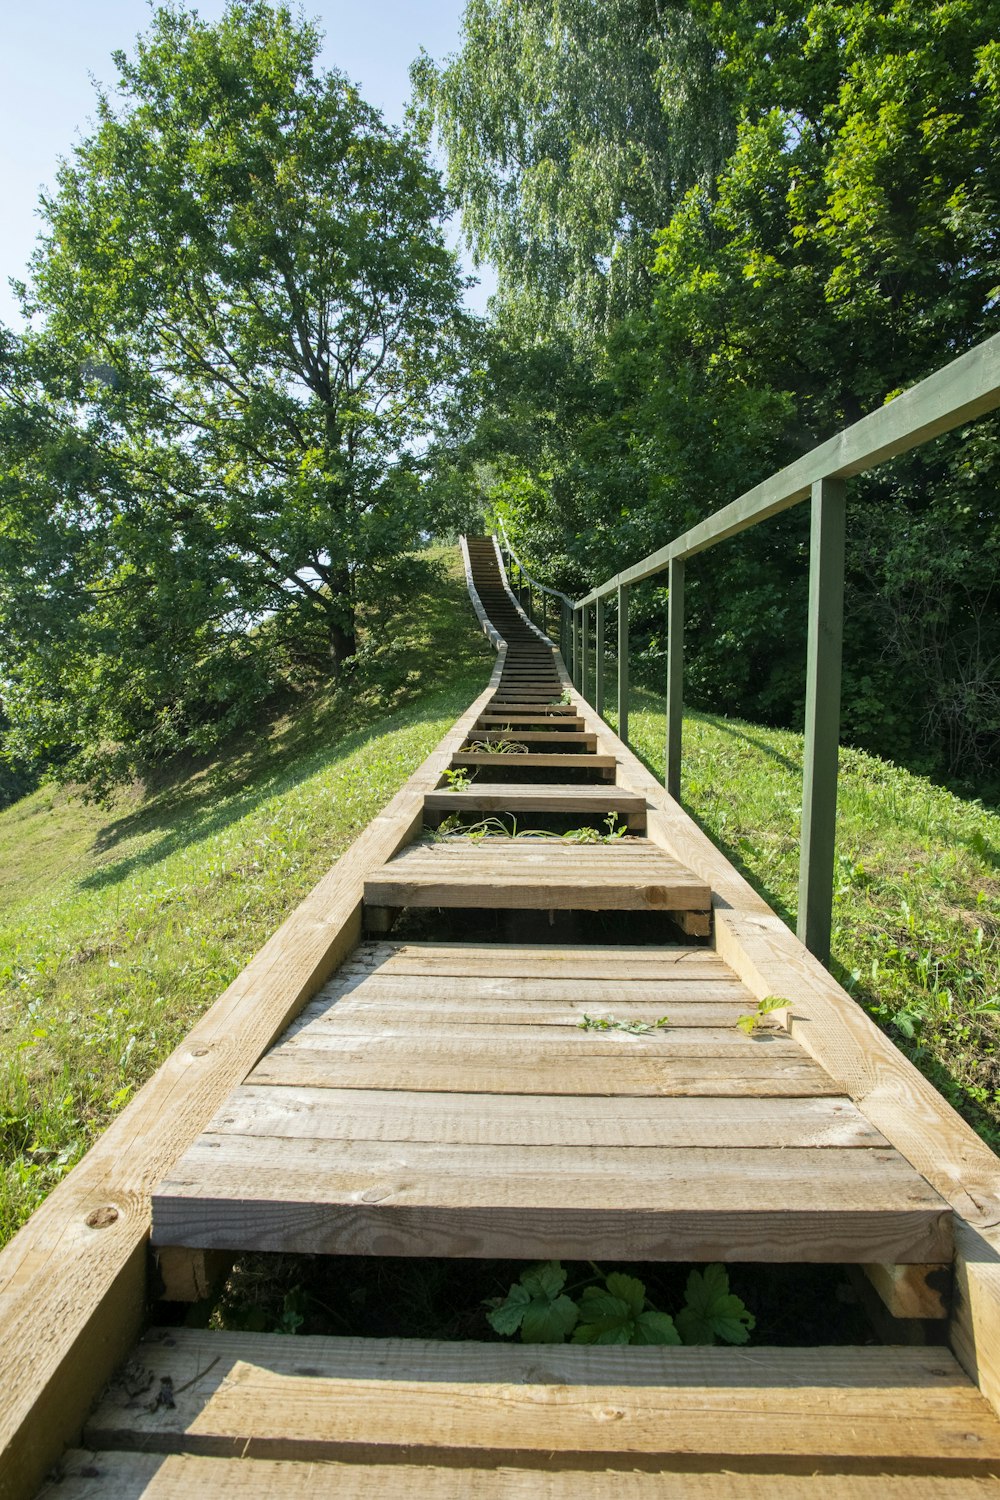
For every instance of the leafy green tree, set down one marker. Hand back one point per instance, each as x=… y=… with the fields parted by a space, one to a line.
x=571 y=127
x=243 y=317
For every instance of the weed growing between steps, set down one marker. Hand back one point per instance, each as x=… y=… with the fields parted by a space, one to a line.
x=119 y=927
x=454 y=1299
x=916 y=913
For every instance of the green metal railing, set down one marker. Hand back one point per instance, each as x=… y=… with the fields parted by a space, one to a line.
x=961 y=391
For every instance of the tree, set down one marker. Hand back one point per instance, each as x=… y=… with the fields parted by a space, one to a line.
x=571 y=128
x=244 y=311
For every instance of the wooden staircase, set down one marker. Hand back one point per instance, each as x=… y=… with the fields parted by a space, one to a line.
x=440 y=1097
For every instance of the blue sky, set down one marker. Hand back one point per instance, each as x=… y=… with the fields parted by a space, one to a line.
x=51 y=50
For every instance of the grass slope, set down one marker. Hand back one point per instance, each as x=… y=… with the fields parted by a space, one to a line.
x=916 y=913
x=120 y=926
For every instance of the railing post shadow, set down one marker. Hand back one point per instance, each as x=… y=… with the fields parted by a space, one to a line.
x=822 y=725
x=675 y=676
x=623 y=664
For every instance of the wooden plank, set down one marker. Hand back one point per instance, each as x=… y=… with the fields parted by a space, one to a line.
x=645 y=962
x=424 y=1198
x=183 y=1476
x=516 y=1119
x=488 y=1069
x=578 y=738
x=912 y=1291
x=73 y=1280
x=313 y=1399
x=357 y=1030
x=533 y=760
x=191 y=1275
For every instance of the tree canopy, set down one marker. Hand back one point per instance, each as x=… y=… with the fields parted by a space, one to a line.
x=805 y=199
x=243 y=316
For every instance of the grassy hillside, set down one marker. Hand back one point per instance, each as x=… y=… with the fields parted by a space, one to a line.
x=120 y=926
x=916 y=916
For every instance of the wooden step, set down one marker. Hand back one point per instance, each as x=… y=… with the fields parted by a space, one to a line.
x=444 y=1099
x=518 y=799
x=593 y=1414
x=523 y=765
x=516 y=873
x=125 y=1475
x=576 y=739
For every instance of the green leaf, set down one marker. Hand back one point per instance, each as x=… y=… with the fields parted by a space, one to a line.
x=654 y=1327
x=549 y=1322
x=536 y=1307
x=506 y=1318
x=604 y=1319
x=630 y=1289
x=712 y=1311
x=544 y=1280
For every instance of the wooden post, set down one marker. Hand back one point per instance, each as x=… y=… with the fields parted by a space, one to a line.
x=623 y=665
x=599 y=658
x=822 y=726
x=585 y=650
x=675 y=675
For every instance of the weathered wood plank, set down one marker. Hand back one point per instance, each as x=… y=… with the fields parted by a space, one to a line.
x=538 y=960
x=567 y=1120
x=420 y=1198
x=492 y=1070
x=313 y=1398
x=181 y=1476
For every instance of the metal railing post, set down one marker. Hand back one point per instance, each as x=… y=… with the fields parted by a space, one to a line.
x=575 y=672
x=623 y=664
x=599 y=657
x=822 y=726
x=675 y=675
x=585 y=651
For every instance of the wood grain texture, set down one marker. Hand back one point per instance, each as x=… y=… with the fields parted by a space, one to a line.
x=178 y=1476
x=421 y=1198
x=312 y=1398
x=542 y=1120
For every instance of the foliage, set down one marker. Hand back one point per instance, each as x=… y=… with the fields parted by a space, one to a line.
x=243 y=315
x=755 y=1021
x=633 y=1028
x=617 y=1311
x=569 y=130
x=711 y=1311
x=659 y=348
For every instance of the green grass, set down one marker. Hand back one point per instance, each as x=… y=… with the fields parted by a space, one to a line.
x=916 y=914
x=120 y=926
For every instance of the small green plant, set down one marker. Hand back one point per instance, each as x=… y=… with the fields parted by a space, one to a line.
x=755 y=1021
x=633 y=1028
x=615 y=1309
x=565 y=696
x=495 y=747
x=614 y=831
x=458 y=779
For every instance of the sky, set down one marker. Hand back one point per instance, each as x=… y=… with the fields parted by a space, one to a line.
x=51 y=51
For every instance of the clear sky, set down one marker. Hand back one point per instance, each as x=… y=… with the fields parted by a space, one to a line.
x=52 y=50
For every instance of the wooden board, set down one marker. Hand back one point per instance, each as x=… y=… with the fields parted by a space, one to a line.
x=180 y=1476
x=535 y=759
x=520 y=873
x=543 y=1120
x=313 y=1399
x=637 y=1203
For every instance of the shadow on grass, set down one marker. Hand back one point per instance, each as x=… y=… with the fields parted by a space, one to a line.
x=434 y=670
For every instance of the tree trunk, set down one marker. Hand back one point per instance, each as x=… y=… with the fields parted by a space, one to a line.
x=343 y=644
